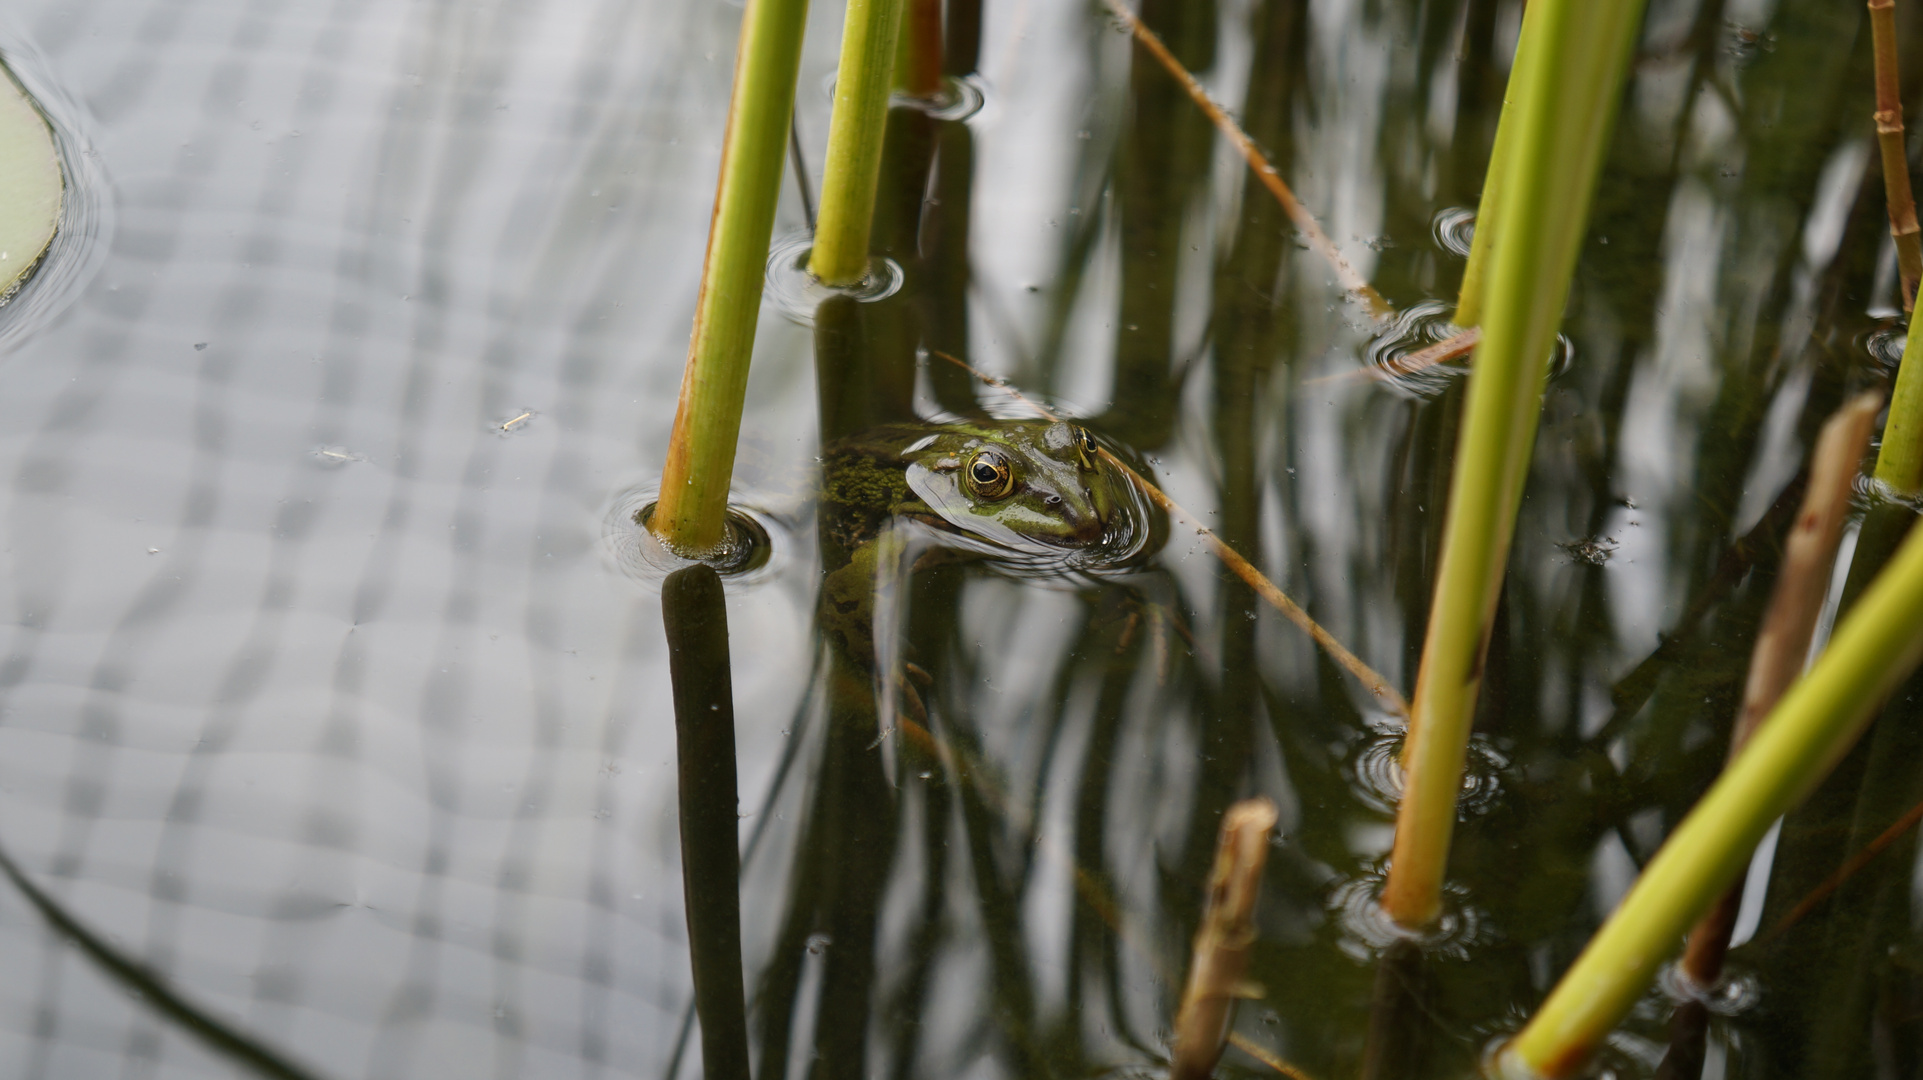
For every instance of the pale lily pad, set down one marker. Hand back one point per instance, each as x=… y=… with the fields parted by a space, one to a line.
x=31 y=185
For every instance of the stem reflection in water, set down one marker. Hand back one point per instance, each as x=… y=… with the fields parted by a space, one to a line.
x=694 y=614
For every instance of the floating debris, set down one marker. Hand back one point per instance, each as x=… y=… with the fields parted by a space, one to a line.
x=1593 y=550
x=513 y=424
x=334 y=457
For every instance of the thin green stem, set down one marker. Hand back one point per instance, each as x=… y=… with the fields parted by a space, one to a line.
x=853 y=168
x=691 y=515
x=1899 y=461
x=1812 y=727
x=1564 y=100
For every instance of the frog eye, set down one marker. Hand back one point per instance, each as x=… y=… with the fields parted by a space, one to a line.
x=1085 y=446
x=989 y=477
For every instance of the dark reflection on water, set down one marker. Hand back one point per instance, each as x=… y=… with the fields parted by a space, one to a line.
x=336 y=708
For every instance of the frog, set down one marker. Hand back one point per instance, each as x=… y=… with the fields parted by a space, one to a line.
x=898 y=496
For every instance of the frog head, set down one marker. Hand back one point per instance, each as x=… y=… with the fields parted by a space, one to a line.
x=1017 y=483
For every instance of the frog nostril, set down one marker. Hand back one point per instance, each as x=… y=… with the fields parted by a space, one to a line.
x=1054 y=500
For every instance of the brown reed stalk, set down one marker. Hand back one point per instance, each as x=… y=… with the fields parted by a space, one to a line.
x=1222 y=941
x=977 y=775
x=1452 y=348
x=1809 y=554
x=1377 y=686
x=1266 y=1057
x=1258 y=162
x=1843 y=873
x=1889 y=139
x=918 y=68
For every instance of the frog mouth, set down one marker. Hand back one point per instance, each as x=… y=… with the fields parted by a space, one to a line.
x=1080 y=522
x=1085 y=527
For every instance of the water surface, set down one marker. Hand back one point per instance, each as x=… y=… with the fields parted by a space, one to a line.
x=326 y=695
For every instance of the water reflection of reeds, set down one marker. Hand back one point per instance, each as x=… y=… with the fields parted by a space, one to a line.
x=465 y=855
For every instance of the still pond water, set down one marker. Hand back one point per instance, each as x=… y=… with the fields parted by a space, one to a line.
x=331 y=688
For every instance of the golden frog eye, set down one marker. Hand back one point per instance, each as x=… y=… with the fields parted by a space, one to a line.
x=1085 y=447
x=989 y=477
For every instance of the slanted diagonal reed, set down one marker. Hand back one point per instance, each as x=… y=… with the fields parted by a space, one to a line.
x=1379 y=687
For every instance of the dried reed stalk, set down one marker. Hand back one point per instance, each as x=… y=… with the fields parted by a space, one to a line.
x=1255 y=579
x=1848 y=870
x=1451 y=348
x=1378 y=686
x=1889 y=139
x=1809 y=554
x=1222 y=942
x=918 y=67
x=1258 y=162
x=1875 y=646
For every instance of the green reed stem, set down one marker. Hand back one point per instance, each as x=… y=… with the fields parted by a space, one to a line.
x=1877 y=645
x=691 y=515
x=1899 y=461
x=852 y=172
x=1529 y=49
x=1565 y=99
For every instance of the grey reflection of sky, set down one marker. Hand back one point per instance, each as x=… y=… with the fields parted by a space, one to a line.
x=376 y=757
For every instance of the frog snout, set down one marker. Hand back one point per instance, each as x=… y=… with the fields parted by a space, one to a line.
x=1082 y=522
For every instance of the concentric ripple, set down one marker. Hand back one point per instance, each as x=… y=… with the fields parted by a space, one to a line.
x=1395 y=355
x=1376 y=771
x=755 y=548
x=956 y=99
x=1455 y=229
x=1736 y=992
x=1367 y=931
x=796 y=293
x=1392 y=354
x=1885 y=345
